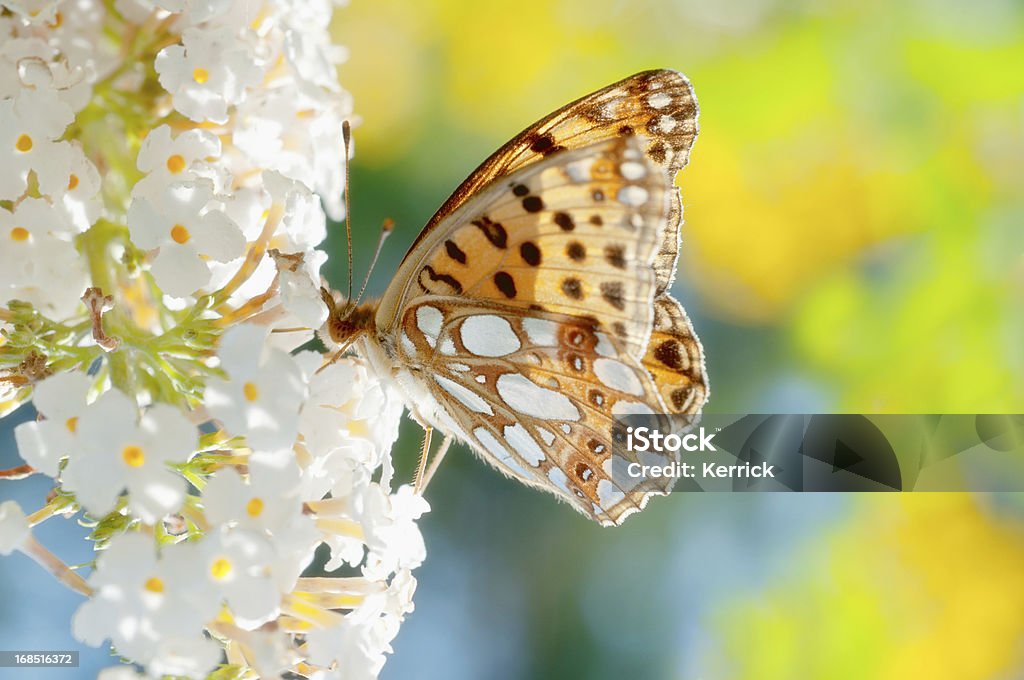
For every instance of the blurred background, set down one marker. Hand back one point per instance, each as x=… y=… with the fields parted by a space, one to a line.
x=853 y=243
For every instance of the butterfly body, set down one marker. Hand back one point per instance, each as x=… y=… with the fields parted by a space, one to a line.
x=533 y=308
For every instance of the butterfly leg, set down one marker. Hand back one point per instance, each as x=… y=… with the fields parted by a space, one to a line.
x=428 y=433
x=436 y=463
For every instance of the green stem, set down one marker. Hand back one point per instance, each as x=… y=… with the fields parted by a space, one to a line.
x=95 y=245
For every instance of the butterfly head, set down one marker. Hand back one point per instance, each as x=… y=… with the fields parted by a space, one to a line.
x=346 y=322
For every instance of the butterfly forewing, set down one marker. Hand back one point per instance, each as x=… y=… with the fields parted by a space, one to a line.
x=657 y=105
x=574 y=234
x=527 y=317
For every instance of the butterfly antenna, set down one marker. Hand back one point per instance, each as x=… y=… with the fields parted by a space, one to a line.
x=346 y=135
x=385 y=230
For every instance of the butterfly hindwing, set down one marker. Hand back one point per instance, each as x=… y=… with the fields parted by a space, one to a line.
x=675 y=359
x=537 y=395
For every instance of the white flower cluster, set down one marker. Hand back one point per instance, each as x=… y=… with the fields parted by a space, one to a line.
x=160 y=165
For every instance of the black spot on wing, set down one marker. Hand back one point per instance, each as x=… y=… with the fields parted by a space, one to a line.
x=443 y=278
x=530 y=253
x=454 y=251
x=669 y=354
x=615 y=256
x=494 y=231
x=533 y=204
x=506 y=284
x=612 y=293
x=572 y=287
x=564 y=221
x=545 y=144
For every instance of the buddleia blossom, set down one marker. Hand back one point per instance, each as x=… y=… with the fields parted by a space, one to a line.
x=167 y=169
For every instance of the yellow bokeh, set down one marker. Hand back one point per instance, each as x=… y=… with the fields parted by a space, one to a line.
x=924 y=586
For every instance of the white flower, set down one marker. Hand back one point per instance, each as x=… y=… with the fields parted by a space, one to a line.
x=248 y=207
x=71 y=181
x=62 y=399
x=268 y=502
x=383 y=612
x=351 y=646
x=147 y=606
x=269 y=652
x=389 y=526
x=187 y=657
x=266 y=132
x=207 y=73
x=14 y=527
x=352 y=412
x=238 y=564
x=190 y=155
x=300 y=289
x=309 y=52
x=29 y=124
x=38 y=261
x=176 y=220
x=119 y=449
x=263 y=393
x=33 y=11
x=295 y=545
x=303 y=223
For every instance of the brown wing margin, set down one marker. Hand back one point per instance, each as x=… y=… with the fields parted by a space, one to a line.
x=675 y=359
x=658 y=105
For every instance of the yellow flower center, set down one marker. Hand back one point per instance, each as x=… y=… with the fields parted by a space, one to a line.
x=254 y=507
x=180 y=234
x=24 y=144
x=221 y=568
x=72 y=182
x=358 y=428
x=19 y=234
x=200 y=75
x=72 y=424
x=154 y=584
x=133 y=455
x=175 y=164
x=251 y=392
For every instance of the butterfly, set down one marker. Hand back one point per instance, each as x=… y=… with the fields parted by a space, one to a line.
x=534 y=308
